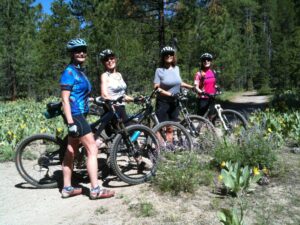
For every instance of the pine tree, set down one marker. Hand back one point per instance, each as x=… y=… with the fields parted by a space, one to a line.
x=17 y=30
x=54 y=32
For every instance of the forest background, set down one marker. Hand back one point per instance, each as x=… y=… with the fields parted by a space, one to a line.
x=256 y=43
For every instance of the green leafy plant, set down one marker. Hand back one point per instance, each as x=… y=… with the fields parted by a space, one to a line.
x=283 y=125
x=238 y=179
x=230 y=217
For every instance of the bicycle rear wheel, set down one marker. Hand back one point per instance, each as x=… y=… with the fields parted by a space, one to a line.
x=173 y=137
x=38 y=160
x=135 y=161
x=235 y=122
x=203 y=133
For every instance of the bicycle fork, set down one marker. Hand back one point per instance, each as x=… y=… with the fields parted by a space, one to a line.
x=219 y=111
x=129 y=140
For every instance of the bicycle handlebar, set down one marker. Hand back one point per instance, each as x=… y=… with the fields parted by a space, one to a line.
x=147 y=99
x=100 y=101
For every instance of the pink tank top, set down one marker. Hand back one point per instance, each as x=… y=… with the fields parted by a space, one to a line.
x=206 y=83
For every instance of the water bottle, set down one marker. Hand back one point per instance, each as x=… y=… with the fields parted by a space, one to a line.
x=135 y=135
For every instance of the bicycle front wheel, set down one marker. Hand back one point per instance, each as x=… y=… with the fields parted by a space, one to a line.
x=135 y=161
x=203 y=133
x=38 y=160
x=173 y=137
x=234 y=121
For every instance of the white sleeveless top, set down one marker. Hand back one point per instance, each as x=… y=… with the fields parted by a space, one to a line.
x=116 y=86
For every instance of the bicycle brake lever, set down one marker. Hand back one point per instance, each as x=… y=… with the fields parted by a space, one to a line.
x=99 y=100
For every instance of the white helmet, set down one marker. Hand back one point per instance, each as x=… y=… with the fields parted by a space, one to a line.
x=167 y=49
x=206 y=56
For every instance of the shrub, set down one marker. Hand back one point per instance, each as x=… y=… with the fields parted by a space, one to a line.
x=181 y=172
x=255 y=148
x=287 y=100
x=22 y=118
x=285 y=126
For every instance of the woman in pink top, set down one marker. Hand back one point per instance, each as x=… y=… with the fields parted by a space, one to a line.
x=205 y=81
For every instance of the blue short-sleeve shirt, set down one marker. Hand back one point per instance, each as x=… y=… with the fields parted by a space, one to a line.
x=74 y=80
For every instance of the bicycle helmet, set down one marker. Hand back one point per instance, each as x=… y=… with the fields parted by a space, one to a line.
x=75 y=43
x=206 y=56
x=105 y=54
x=167 y=49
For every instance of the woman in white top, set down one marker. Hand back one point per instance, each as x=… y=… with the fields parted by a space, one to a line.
x=112 y=84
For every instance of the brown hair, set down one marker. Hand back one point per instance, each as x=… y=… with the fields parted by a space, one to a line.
x=162 y=61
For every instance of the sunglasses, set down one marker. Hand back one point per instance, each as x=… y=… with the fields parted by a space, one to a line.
x=169 y=54
x=203 y=60
x=79 y=50
x=109 y=58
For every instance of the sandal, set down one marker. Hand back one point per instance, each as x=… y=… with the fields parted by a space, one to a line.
x=102 y=193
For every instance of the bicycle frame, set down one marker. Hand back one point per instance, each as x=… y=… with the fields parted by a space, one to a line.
x=99 y=125
x=146 y=112
x=186 y=116
x=217 y=108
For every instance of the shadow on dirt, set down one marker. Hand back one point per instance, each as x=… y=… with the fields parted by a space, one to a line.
x=80 y=176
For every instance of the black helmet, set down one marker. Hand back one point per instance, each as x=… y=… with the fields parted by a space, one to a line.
x=206 y=56
x=105 y=54
x=167 y=49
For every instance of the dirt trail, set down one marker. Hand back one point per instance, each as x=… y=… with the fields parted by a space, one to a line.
x=251 y=98
x=22 y=204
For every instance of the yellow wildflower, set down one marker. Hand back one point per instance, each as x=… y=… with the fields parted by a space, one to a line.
x=59 y=130
x=270 y=130
x=23 y=126
x=256 y=171
x=223 y=164
x=265 y=170
x=43 y=130
x=220 y=177
x=9 y=132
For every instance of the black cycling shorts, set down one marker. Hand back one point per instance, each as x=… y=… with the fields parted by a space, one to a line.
x=82 y=125
x=167 y=111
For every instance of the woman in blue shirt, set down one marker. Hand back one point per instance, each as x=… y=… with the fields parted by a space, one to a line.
x=75 y=91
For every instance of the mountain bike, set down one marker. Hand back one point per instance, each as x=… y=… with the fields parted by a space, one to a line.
x=192 y=132
x=203 y=132
x=227 y=122
x=39 y=157
x=181 y=140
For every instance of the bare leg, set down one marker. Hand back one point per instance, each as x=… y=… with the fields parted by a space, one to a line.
x=67 y=164
x=169 y=134
x=92 y=162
